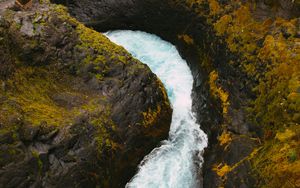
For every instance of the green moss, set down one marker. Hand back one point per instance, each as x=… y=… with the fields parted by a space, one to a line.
x=31 y=88
x=100 y=118
x=105 y=50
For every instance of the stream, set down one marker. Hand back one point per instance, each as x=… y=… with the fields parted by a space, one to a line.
x=177 y=162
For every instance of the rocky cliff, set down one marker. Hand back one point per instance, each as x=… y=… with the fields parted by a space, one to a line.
x=75 y=109
x=63 y=91
x=245 y=57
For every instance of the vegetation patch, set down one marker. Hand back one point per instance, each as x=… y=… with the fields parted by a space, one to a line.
x=218 y=91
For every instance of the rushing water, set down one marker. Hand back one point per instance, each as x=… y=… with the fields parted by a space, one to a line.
x=177 y=162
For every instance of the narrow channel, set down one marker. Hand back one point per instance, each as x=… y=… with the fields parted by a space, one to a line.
x=177 y=162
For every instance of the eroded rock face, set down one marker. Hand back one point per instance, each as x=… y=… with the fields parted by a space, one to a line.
x=243 y=57
x=277 y=8
x=76 y=110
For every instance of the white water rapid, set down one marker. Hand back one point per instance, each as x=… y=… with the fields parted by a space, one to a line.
x=177 y=162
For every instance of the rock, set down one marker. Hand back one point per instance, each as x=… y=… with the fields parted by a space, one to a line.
x=71 y=112
x=247 y=98
x=27 y=28
x=248 y=86
x=28 y=133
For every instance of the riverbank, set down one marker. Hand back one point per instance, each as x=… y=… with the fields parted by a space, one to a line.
x=244 y=57
x=75 y=109
x=248 y=53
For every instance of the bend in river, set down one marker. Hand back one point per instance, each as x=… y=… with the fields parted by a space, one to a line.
x=177 y=162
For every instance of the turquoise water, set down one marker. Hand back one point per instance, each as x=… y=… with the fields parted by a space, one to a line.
x=177 y=162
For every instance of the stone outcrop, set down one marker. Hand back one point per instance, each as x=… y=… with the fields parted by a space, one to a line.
x=244 y=57
x=245 y=61
x=75 y=109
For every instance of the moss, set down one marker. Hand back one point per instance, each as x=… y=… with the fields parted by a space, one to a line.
x=222 y=169
x=105 y=50
x=218 y=92
x=225 y=138
x=100 y=118
x=214 y=7
x=31 y=88
x=164 y=93
x=222 y=24
x=151 y=116
x=268 y=53
x=286 y=135
x=278 y=163
x=62 y=13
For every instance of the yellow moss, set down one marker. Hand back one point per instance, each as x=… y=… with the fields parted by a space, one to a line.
x=278 y=161
x=106 y=51
x=222 y=169
x=31 y=88
x=218 y=91
x=222 y=24
x=275 y=50
x=100 y=118
x=286 y=135
x=214 y=7
x=151 y=116
x=164 y=92
x=62 y=13
x=186 y=38
x=269 y=54
x=225 y=138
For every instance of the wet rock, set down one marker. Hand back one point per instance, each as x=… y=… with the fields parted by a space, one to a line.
x=162 y=18
x=76 y=119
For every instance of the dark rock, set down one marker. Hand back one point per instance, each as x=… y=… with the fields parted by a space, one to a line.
x=76 y=122
x=28 y=132
x=240 y=176
x=162 y=18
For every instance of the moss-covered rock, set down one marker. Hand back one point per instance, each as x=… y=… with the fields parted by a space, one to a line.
x=244 y=56
x=72 y=104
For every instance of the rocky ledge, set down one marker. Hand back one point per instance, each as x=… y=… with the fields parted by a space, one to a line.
x=245 y=57
x=75 y=109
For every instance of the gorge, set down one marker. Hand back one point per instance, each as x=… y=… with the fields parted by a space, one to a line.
x=182 y=152
x=79 y=111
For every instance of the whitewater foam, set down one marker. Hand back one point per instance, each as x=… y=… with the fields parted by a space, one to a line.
x=177 y=162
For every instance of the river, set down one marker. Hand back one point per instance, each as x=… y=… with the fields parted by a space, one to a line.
x=177 y=162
